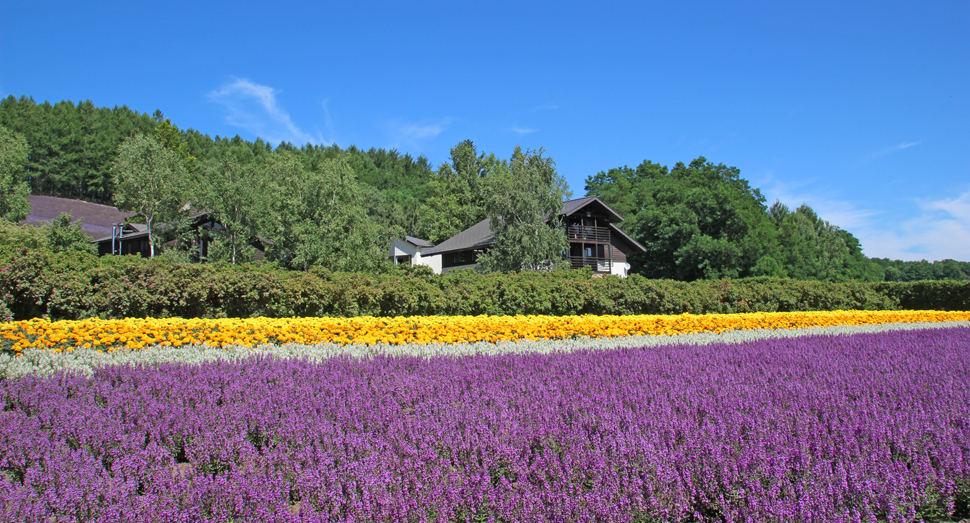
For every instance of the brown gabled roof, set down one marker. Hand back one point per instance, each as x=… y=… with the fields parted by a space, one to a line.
x=418 y=242
x=570 y=207
x=97 y=219
x=475 y=237
x=480 y=235
x=628 y=238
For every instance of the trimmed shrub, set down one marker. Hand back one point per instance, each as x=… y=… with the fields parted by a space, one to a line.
x=75 y=285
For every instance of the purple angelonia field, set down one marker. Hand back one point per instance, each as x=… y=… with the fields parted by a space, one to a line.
x=871 y=427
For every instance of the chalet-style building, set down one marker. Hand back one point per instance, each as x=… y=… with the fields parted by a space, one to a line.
x=410 y=251
x=590 y=226
x=132 y=238
x=128 y=238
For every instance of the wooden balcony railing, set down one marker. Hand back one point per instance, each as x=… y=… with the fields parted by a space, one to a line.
x=593 y=234
x=598 y=264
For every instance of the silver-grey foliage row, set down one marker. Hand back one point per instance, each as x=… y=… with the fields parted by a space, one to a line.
x=46 y=363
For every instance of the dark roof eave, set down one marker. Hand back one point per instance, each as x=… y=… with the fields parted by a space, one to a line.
x=128 y=236
x=628 y=238
x=570 y=207
x=418 y=242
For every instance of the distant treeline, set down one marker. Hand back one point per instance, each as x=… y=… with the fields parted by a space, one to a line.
x=73 y=147
x=898 y=270
x=339 y=208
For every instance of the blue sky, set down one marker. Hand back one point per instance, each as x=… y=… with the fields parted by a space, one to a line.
x=860 y=109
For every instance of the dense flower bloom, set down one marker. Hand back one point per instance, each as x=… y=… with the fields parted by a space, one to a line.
x=869 y=427
x=135 y=333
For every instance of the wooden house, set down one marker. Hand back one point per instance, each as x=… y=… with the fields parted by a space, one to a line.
x=589 y=225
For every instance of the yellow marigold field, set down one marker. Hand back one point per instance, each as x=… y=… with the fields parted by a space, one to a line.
x=135 y=333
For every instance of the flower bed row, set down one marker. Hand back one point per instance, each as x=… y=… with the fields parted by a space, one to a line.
x=134 y=333
x=870 y=427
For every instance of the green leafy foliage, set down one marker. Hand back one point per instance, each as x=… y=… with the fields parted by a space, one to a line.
x=58 y=236
x=814 y=249
x=909 y=271
x=230 y=191
x=317 y=216
x=703 y=221
x=699 y=221
x=523 y=199
x=73 y=147
x=150 y=180
x=171 y=138
x=14 y=236
x=14 y=152
x=948 y=295
x=455 y=199
x=76 y=285
x=63 y=236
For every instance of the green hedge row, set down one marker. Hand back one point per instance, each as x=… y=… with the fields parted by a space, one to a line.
x=37 y=283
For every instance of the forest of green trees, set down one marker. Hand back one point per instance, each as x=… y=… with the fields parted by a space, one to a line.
x=339 y=208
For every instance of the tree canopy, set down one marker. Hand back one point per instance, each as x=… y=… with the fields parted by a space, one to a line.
x=149 y=180
x=74 y=145
x=317 y=216
x=455 y=199
x=703 y=220
x=523 y=199
x=14 y=153
x=697 y=220
x=230 y=191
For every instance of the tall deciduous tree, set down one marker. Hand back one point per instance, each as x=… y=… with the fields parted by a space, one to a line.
x=171 y=138
x=455 y=198
x=814 y=249
x=230 y=191
x=697 y=221
x=524 y=198
x=14 y=153
x=317 y=216
x=149 y=180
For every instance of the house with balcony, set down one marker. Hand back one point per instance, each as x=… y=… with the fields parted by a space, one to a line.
x=589 y=225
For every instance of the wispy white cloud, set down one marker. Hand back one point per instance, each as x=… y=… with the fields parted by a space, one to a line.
x=941 y=231
x=887 y=151
x=253 y=107
x=958 y=207
x=829 y=206
x=521 y=131
x=415 y=133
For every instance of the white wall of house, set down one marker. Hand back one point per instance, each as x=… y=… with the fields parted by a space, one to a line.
x=403 y=248
x=433 y=261
x=620 y=269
